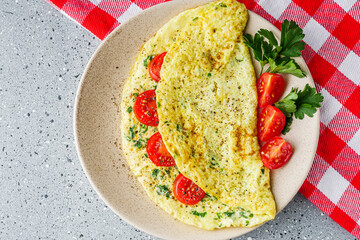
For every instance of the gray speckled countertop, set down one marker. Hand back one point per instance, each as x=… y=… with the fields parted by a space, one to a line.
x=44 y=191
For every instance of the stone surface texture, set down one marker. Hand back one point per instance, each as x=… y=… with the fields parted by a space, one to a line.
x=44 y=191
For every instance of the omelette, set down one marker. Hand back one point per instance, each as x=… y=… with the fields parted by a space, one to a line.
x=207 y=111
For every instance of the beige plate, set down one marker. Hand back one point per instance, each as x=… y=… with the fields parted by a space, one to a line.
x=97 y=129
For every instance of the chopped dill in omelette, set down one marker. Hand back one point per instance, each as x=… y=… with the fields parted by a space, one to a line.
x=189 y=121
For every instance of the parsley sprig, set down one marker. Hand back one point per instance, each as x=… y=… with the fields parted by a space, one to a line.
x=279 y=57
x=299 y=103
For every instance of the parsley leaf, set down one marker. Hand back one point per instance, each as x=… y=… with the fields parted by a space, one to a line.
x=287 y=105
x=288 y=123
x=291 y=36
x=299 y=103
x=307 y=102
x=286 y=65
x=269 y=35
x=262 y=50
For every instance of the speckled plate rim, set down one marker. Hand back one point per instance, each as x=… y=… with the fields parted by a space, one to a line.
x=80 y=151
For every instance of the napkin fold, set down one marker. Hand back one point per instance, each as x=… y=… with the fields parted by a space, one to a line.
x=332 y=52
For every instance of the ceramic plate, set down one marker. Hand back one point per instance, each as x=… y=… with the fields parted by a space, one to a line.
x=98 y=137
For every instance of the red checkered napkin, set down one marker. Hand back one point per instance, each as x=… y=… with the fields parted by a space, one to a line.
x=332 y=52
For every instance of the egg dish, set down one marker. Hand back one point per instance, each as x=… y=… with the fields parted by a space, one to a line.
x=206 y=115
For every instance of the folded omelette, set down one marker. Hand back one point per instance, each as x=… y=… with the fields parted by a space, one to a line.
x=207 y=110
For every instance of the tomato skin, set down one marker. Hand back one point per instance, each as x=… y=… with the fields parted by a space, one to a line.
x=155 y=66
x=270 y=123
x=158 y=153
x=186 y=191
x=270 y=87
x=275 y=153
x=145 y=109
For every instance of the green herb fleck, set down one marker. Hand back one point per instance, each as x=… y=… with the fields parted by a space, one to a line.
x=139 y=143
x=222 y=5
x=129 y=110
x=142 y=88
x=143 y=128
x=209 y=74
x=193 y=152
x=147 y=60
x=183 y=105
x=229 y=214
x=163 y=190
x=213 y=198
x=155 y=87
x=247 y=223
x=243 y=215
x=195 y=18
x=196 y=213
x=158 y=104
x=239 y=60
x=178 y=127
x=168 y=172
x=220 y=225
x=214 y=162
x=135 y=95
x=262 y=170
x=146 y=155
x=251 y=215
x=131 y=132
x=219 y=216
x=155 y=172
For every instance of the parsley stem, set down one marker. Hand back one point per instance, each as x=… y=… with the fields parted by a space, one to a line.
x=262 y=68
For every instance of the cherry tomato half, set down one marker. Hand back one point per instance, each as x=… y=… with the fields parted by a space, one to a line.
x=145 y=108
x=270 y=123
x=270 y=87
x=186 y=191
x=275 y=153
x=158 y=153
x=155 y=66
